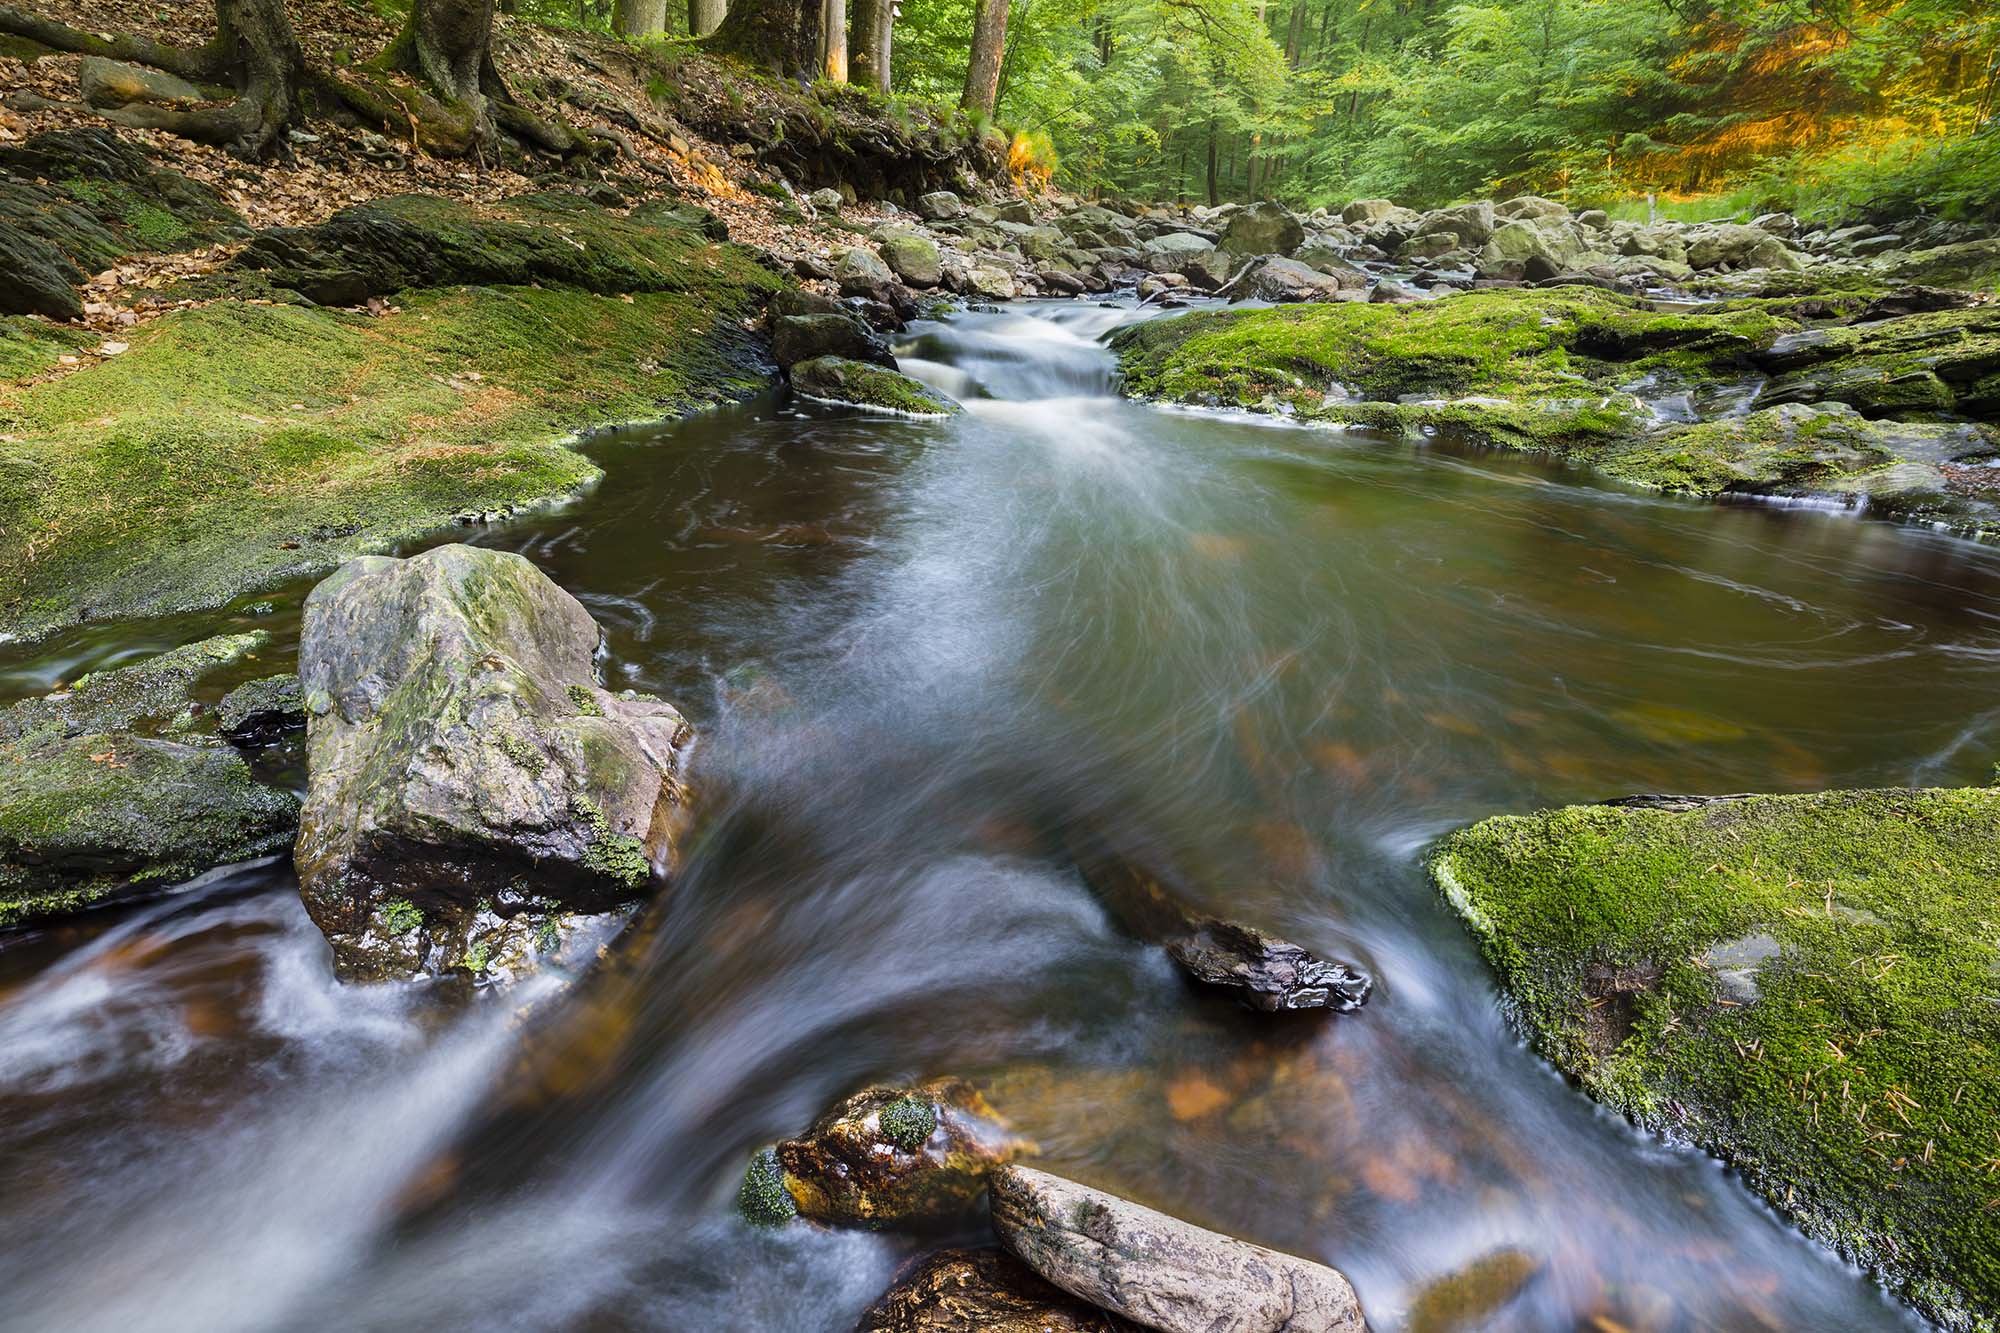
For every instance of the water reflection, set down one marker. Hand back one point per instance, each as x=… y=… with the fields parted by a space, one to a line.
x=915 y=651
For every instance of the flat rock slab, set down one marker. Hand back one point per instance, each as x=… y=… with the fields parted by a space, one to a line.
x=1158 y=1271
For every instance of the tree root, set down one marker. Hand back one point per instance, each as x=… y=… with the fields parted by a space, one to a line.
x=197 y=63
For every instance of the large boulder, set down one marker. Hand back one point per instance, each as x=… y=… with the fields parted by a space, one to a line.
x=1731 y=245
x=1262 y=229
x=796 y=338
x=115 y=788
x=1972 y=264
x=887 y=1156
x=1280 y=281
x=1326 y=257
x=1159 y=1271
x=1363 y=211
x=832 y=379
x=940 y=206
x=1176 y=243
x=1471 y=224
x=1531 y=206
x=1513 y=244
x=981 y=1291
x=474 y=793
x=911 y=255
x=861 y=272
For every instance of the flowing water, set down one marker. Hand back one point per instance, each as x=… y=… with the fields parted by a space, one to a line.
x=913 y=649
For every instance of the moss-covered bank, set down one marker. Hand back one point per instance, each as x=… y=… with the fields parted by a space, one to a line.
x=1808 y=986
x=241 y=442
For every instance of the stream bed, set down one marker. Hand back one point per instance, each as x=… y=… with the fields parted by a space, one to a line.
x=1293 y=656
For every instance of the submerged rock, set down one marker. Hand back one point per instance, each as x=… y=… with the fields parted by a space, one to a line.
x=113 y=789
x=465 y=767
x=845 y=383
x=890 y=1156
x=1468 y=1299
x=1262 y=971
x=981 y=1291
x=1803 y=985
x=1159 y=1271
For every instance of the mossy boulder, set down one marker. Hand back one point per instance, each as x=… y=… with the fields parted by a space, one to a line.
x=888 y=1156
x=845 y=383
x=1262 y=229
x=911 y=255
x=463 y=762
x=263 y=710
x=114 y=788
x=988 y=1290
x=1807 y=986
x=796 y=338
x=1969 y=264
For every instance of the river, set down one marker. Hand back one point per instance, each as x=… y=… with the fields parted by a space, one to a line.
x=1294 y=656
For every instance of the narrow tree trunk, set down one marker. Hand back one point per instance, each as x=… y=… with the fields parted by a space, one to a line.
x=833 y=22
x=640 y=18
x=884 y=67
x=867 y=62
x=989 y=40
x=705 y=16
x=781 y=36
x=1213 y=197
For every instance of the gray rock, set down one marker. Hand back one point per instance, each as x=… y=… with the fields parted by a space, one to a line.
x=1778 y=224
x=860 y=272
x=1262 y=229
x=1471 y=224
x=1513 y=244
x=940 y=206
x=1158 y=1271
x=1280 y=281
x=912 y=256
x=1176 y=243
x=262 y=711
x=1731 y=245
x=1369 y=210
x=796 y=338
x=826 y=200
x=1390 y=292
x=992 y=281
x=467 y=773
x=1531 y=206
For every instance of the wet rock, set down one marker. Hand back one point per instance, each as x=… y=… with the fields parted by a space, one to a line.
x=1973 y=264
x=1262 y=229
x=1287 y=280
x=465 y=763
x=830 y=379
x=112 y=790
x=981 y=1291
x=796 y=338
x=896 y=1156
x=1468 y=1299
x=912 y=256
x=112 y=83
x=262 y=711
x=1159 y=1271
x=1262 y=971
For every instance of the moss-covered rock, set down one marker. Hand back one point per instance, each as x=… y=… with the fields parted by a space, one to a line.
x=260 y=711
x=1808 y=986
x=464 y=763
x=844 y=383
x=114 y=788
x=237 y=444
x=887 y=1156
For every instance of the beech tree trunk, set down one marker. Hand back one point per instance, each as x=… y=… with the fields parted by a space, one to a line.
x=705 y=16
x=781 y=36
x=449 y=44
x=989 y=41
x=868 y=60
x=833 y=40
x=640 y=18
x=253 y=50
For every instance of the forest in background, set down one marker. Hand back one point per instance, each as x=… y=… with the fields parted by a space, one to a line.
x=1818 y=106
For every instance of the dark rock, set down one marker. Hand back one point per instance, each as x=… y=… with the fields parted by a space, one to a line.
x=801 y=301
x=1390 y=292
x=263 y=711
x=459 y=745
x=796 y=338
x=111 y=790
x=1468 y=1299
x=1159 y=1271
x=981 y=1291
x=1264 y=972
x=895 y=1156
x=830 y=379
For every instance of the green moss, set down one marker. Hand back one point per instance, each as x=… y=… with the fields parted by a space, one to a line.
x=585 y=700
x=907 y=1122
x=477 y=957
x=832 y=379
x=399 y=916
x=236 y=444
x=30 y=346
x=1850 y=1075
x=762 y=1198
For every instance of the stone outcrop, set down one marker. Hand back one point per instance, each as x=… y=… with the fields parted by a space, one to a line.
x=472 y=788
x=888 y=1156
x=116 y=788
x=981 y=1291
x=1158 y=1271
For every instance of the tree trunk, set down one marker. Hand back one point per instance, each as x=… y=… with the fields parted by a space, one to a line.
x=449 y=44
x=705 y=16
x=253 y=49
x=868 y=62
x=780 y=36
x=833 y=40
x=982 y=72
x=1213 y=197
x=640 y=18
